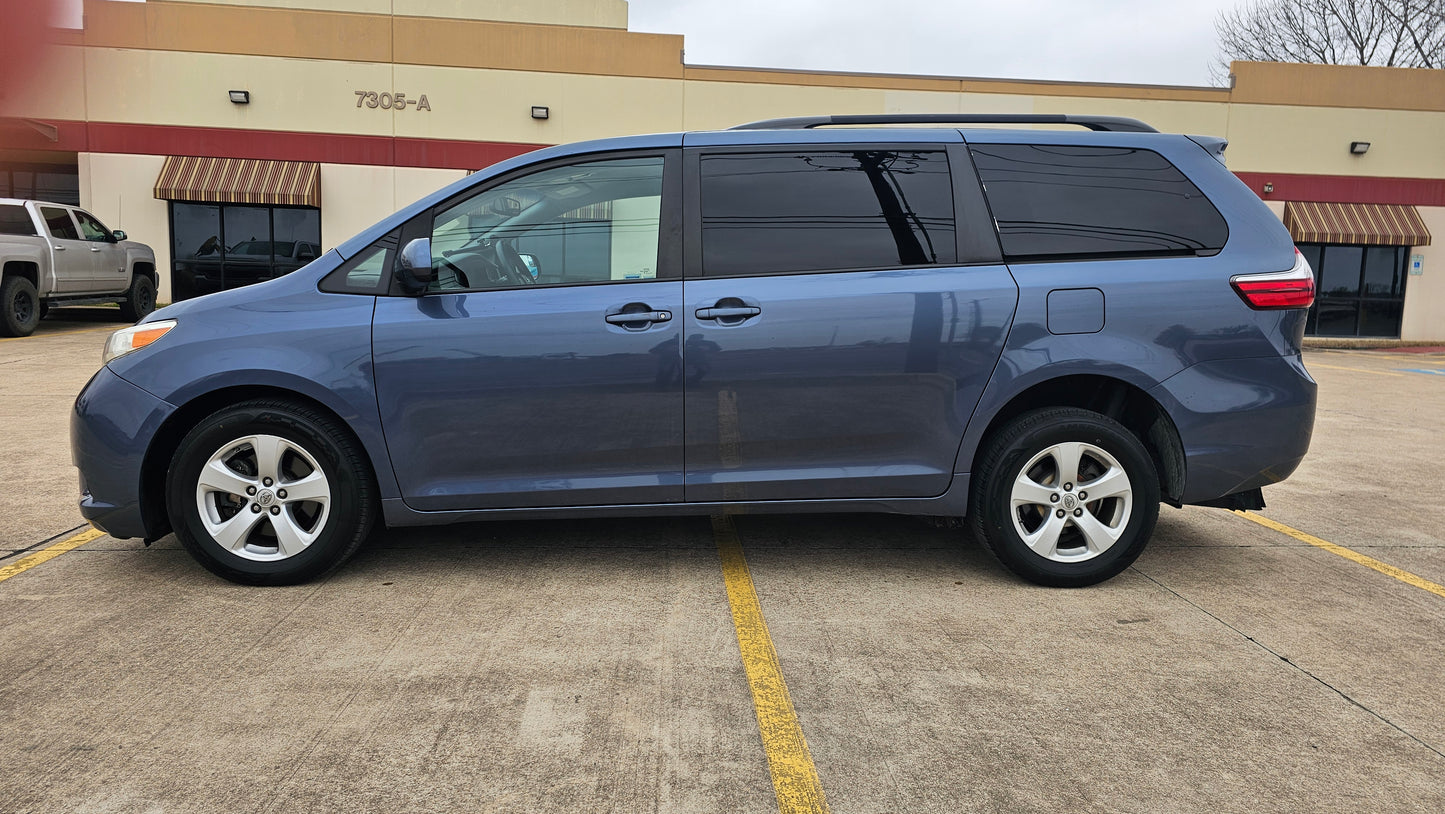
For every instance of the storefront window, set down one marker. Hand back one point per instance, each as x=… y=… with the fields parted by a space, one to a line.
x=1360 y=290
x=56 y=183
x=219 y=246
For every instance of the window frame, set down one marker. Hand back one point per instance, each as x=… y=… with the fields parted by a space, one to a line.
x=1021 y=259
x=669 y=234
x=975 y=243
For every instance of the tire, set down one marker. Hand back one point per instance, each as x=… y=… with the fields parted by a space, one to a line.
x=140 y=299
x=1024 y=481
x=19 y=307
x=249 y=531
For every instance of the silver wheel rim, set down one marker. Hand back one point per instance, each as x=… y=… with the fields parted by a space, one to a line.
x=263 y=497
x=1071 y=502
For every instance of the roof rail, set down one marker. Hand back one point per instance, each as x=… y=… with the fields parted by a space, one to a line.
x=1113 y=124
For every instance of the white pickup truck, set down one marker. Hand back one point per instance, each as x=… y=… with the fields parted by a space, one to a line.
x=53 y=254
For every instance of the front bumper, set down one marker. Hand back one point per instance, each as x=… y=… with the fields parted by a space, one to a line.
x=1244 y=423
x=111 y=428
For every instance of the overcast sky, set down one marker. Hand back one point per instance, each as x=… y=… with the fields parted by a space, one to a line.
x=1159 y=42
x=1146 y=41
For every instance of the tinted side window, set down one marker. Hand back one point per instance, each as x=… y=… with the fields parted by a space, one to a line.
x=776 y=213
x=14 y=220
x=59 y=223
x=1062 y=201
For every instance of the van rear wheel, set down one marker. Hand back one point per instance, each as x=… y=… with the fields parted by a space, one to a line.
x=1065 y=497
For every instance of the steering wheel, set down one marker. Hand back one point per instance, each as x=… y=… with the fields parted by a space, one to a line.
x=511 y=263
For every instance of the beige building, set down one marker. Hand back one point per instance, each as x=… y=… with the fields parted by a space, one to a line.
x=162 y=118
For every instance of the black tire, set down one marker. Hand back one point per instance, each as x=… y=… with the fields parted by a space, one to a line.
x=19 y=307
x=339 y=529
x=1032 y=440
x=140 y=299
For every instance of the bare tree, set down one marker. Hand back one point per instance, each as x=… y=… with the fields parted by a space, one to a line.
x=1402 y=33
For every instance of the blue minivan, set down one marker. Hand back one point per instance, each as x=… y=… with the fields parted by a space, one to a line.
x=1048 y=331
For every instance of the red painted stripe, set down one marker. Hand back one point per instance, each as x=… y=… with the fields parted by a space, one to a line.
x=386 y=151
x=220 y=142
x=1347 y=189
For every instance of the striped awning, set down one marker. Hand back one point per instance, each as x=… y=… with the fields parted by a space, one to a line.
x=1367 y=224
x=240 y=180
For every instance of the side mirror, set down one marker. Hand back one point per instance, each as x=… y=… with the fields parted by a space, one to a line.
x=414 y=268
x=119 y=235
x=534 y=266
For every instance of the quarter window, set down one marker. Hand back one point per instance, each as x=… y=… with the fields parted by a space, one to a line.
x=1060 y=201
x=786 y=212
x=585 y=223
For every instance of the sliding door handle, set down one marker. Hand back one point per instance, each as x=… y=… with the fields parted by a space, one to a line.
x=740 y=312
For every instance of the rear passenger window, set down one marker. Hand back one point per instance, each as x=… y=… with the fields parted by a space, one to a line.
x=59 y=223
x=1057 y=202
x=782 y=212
x=14 y=220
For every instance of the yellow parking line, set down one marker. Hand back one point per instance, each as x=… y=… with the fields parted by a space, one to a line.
x=48 y=553
x=63 y=333
x=1349 y=554
x=1356 y=369
x=795 y=778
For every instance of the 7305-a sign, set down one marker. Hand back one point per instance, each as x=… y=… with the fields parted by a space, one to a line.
x=390 y=101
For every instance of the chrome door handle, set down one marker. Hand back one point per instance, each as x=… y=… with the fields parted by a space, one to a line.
x=728 y=313
x=95 y=248
x=57 y=248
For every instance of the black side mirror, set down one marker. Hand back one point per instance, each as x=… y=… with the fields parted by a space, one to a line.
x=414 y=266
x=119 y=235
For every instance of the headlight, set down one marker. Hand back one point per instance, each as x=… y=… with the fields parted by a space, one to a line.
x=134 y=338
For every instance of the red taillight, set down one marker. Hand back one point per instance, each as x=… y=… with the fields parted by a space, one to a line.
x=1278 y=289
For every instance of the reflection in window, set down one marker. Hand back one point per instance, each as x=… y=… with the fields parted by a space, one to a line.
x=219 y=246
x=1059 y=201
x=586 y=223
x=1361 y=289
x=777 y=213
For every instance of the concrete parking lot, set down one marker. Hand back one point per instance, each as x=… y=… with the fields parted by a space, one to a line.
x=596 y=665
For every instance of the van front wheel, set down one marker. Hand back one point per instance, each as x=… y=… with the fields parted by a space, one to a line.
x=1065 y=497
x=270 y=493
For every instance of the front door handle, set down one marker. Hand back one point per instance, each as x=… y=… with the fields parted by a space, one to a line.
x=743 y=312
x=637 y=320
x=95 y=248
x=57 y=248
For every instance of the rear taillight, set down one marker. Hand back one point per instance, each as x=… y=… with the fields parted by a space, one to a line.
x=1278 y=289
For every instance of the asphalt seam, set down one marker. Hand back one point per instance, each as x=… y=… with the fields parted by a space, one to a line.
x=1266 y=648
x=17 y=552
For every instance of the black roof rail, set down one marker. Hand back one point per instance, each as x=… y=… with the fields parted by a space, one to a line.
x=1112 y=124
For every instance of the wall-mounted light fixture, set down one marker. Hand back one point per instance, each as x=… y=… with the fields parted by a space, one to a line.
x=1268 y=188
x=241 y=97
x=541 y=112
x=1359 y=147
